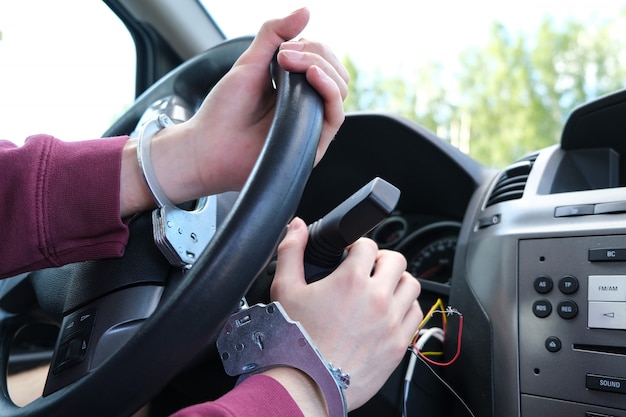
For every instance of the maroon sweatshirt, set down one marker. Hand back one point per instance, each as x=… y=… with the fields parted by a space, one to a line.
x=61 y=204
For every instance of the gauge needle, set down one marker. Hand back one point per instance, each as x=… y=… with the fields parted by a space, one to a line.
x=427 y=274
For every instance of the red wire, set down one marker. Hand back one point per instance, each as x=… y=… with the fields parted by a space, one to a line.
x=456 y=355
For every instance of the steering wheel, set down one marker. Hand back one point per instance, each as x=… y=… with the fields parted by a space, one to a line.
x=192 y=310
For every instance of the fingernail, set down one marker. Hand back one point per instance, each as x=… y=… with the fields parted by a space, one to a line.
x=292 y=55
x=292 y=46
x=320 y=72
x=295 y=224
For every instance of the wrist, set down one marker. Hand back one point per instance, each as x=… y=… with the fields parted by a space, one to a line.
x=171 y=160
x=134 y=193
x=302 y=389
x=188 y=163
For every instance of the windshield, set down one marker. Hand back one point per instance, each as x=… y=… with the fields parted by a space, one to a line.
x=65 y=69
x=497 y=79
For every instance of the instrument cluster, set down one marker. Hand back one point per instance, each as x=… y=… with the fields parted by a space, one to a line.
x=428 y=247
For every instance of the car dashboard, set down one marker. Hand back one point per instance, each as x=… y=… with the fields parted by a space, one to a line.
x=436 y=182
x=539 y=275
x=532 y=256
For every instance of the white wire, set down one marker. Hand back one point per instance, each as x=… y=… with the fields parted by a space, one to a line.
x=424 y=336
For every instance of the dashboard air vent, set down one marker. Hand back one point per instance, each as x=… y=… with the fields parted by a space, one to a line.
x=511 y=183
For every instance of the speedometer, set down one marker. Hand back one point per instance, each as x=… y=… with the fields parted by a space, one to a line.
x=430 y=251
x=434 y=262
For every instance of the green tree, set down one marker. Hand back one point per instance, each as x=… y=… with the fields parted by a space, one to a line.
x=497 y=94
x=512 y=95
x=374 y=92
x=520 y=89
x=352 y=102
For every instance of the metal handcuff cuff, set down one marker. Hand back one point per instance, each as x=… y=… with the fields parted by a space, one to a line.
x=181 y=235
x=263 y=336
x=255 y=338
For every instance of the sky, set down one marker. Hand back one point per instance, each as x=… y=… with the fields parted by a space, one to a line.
x=393 y=39
x=43 y=90
x=406 y=33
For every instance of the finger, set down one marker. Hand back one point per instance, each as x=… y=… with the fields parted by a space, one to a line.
x=334 y=115
x=290 y=264
x=411 y=320
x=408 y=286
x=296 y=61
x=405 y=298
x=326 y=79
x=359 y=260
x=407 y=291
x=307 y=53
x=272 y=34
x=300 y=56
x=390 y=267
x=329 y=55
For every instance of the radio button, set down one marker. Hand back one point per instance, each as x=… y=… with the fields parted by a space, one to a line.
x=604 y=315
x=607 y=288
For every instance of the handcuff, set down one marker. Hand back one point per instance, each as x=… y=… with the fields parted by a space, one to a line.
x=263 y=336
x=181 y=235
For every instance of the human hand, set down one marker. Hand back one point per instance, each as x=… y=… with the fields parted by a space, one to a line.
x=215 y=150
x=239 y=110
x=361 y=321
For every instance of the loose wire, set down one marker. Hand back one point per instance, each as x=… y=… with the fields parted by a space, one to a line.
x=443 y=381
x=438 y=307
x=458 y=348
x=419 y=340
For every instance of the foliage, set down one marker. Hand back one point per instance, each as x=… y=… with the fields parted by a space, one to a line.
x=512 y=95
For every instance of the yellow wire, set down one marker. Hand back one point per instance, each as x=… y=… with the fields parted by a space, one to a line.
x=432 y=353
x=437 y=306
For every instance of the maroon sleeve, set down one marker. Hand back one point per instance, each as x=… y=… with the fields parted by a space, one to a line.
x=259 y=395
x=60 y=203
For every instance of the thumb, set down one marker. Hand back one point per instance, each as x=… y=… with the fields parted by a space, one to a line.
x=290 y=266
x=272 y=34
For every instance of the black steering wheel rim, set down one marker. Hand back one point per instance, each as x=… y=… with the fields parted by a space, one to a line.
x=195 y=309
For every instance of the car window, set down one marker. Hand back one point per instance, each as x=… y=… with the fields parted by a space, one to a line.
x=497 y=79
x=66 y=68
